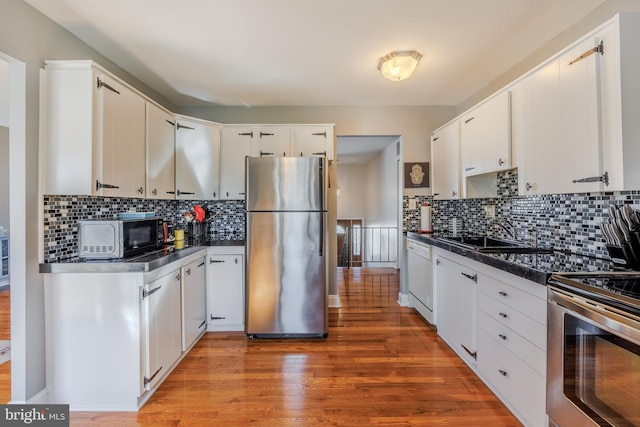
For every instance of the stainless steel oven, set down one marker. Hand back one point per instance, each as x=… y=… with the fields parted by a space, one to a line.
x=593 y=350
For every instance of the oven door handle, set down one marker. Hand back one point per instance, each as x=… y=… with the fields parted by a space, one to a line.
x=605 y=317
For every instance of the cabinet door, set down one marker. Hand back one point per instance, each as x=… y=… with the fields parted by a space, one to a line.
x=123 y=141
x=193 y=302
x=163 y=333
x=456 y=307
x=580 y=131
x=235 y=146
x=485 y=137
x=445 y=161
x=197 y=159
x=225 y=292
x=271 y=141
x=160 y=153
x=309 y=141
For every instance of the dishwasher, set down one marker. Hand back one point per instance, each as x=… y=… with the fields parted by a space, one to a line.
x=420 y=278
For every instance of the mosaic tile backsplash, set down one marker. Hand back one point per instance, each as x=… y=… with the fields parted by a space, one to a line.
x=61 y=215
x=564 y=221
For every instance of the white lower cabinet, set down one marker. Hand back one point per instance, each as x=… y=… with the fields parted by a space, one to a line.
x=225 y=288
x=163 y=335
x=194 y=310
x=501 y=319
x=113 y=338
x=456 y=305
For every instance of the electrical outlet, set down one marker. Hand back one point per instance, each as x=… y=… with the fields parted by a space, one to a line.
x=490 y=211
x=412 y=203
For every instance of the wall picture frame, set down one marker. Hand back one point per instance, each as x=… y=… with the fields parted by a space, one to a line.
x=416 y=175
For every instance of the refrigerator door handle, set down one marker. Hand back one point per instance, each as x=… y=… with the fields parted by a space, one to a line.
x=322 y=206
x=321 y=252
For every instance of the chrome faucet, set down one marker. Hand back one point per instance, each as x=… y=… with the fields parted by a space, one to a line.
x=511 y=230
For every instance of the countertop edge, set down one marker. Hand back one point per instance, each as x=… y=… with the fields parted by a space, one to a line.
x=528 y=273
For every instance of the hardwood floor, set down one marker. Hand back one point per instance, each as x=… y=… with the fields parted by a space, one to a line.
x=381 y=365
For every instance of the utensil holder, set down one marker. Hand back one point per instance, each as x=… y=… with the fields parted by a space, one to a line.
x=626 y=255
x=196 y=231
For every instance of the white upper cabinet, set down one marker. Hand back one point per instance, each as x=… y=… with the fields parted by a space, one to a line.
x=445 y=162
x=197 y=159
x=569 y=131
x=160 y=153
x=312 y=140
x=93 y=131
x=620 y=89
x=270 y=141
x=235 y=146
x=555 y=118
x=485 y=137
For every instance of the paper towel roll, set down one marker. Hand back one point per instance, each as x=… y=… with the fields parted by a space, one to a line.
x=425 y=217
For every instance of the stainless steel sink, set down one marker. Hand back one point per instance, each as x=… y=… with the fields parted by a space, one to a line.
x=488 y=244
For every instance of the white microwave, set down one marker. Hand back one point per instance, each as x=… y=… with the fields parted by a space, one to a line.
x=113 y=239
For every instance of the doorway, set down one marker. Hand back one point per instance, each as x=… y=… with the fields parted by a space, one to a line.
x=369 y=225
x=349 y=242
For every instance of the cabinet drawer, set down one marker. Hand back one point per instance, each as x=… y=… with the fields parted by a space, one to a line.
x=526 y=303
x=515 y=381
x=516 y=343
x=514 y=320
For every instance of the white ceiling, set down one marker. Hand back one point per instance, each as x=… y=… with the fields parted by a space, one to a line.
x=313 y=52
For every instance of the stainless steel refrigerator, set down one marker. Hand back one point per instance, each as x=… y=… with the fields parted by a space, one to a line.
x=286 y=221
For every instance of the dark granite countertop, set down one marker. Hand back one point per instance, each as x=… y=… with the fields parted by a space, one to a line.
x=139 y=264
x=535 y=267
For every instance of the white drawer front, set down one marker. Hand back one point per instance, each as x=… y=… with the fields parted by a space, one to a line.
x=518 y=345
x=518 y=384
x=526 y=303
x=515 y=320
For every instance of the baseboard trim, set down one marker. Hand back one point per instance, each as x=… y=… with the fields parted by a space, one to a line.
x=334 y=301
x=40 y=398
x=403 y=300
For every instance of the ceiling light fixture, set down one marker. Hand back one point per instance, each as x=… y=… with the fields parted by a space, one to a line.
x=397 y=66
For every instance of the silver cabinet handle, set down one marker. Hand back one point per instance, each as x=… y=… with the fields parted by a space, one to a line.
x=471 y=353
x=438 y=262
x=503 y=373
x=101 y=83
x=454 y=193
x=189 y=272
x=472 y=277
x=503 y=293
x=500 y=162
x=469 y=119
x=528 y=186
x=602 y=178
x=503 y=315
x=151 y=292
x=140 y=190
x=100 y=185
x=154 y=192
x=215 y=261
x=502 y=337
x=148 y=380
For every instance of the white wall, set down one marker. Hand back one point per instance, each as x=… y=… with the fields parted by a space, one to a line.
x=4 y=93
x=382 y=189
x=352 y=182
x=4 y=175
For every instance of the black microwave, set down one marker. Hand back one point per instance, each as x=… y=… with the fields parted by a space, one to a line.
x=124 y=238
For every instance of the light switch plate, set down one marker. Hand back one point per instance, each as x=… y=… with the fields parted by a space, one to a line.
x=412 y=203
